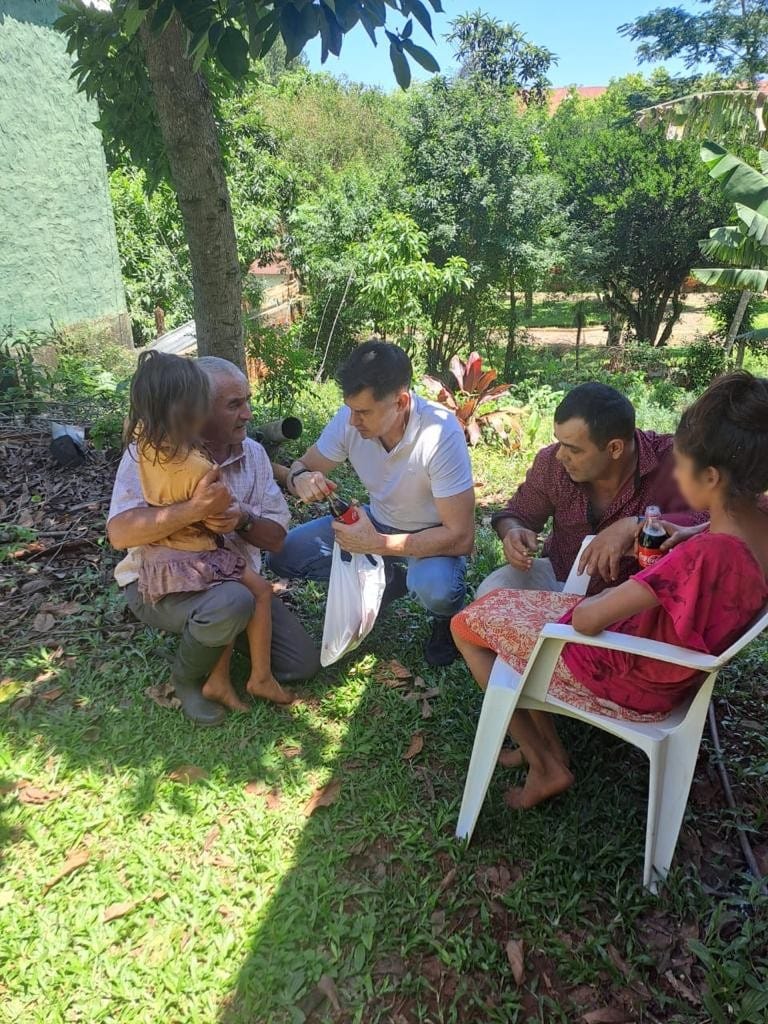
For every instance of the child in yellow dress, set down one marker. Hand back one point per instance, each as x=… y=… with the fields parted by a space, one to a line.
x=170 y=399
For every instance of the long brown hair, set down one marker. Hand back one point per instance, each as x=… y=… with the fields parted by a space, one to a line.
x=168 y=393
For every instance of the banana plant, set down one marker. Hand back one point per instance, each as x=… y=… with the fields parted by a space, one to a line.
x=741 y=247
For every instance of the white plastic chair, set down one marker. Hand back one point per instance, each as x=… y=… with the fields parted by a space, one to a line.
x=671 y=745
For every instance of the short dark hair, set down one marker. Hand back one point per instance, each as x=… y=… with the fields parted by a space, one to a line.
x=378 y=365
x=609 y=415
x=727 y=428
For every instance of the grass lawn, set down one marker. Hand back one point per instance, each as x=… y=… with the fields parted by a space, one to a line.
x=202 y=892
x=551 y=312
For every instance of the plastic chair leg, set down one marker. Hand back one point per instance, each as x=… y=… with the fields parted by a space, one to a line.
x=498 y=705
x=674 y=778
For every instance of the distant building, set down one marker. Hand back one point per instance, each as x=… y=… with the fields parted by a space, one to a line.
x=587 y=92
x=280 y=284
x=58 y=250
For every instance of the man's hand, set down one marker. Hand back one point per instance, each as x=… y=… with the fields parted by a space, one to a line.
x=312 y=486
x=228 y=521
x=603 y=556
x=361 y=538
x=520 y=547
x=211 y=497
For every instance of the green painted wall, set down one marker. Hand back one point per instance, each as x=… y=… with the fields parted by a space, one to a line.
x=58 y=251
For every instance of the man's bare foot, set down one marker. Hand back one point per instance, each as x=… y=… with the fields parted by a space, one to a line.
x=511 y=757
x=223 y=692
x=539 y=786
x=270 y=689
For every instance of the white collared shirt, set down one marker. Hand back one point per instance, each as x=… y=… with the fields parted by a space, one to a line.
x=247 y=473
x=431 y=461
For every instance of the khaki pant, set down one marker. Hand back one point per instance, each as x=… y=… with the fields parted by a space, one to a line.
x=541 y=576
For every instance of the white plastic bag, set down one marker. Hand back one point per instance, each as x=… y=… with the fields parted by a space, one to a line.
x=355 y=590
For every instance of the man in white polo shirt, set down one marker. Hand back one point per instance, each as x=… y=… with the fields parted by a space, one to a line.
x=412 y=457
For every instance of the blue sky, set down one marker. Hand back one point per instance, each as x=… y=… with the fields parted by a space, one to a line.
x=582 y=34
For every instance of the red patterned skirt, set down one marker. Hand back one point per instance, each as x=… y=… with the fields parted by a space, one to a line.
x=508 y=622
x=165 y=571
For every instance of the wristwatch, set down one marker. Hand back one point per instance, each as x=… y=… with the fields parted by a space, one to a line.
x=245 y=526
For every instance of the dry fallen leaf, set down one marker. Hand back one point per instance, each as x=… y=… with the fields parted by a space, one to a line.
x=418 y=681
x=211 y=838
x=29 y=794
x=116 y=910
x=426 y=709
x=516 y=957
x=607 y=1015
x=392 y=674
x=416 y=746
x=290 y=752
x=23 y=703
x=65 y=608
x=51 y=695
x=274 y=801
x=44 y=677
x=327 y=986
x=163 y=694
x=448 y=881
x=434 y=691
x=43 y=622
x=396 y=669
x=186 y=774
x=256 y=788
x=76 y=860
x=323 y=797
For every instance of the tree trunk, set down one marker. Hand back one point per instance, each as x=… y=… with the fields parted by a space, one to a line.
x=528 y=308
x=188 y=127
x=578 y=346
x=509 y=355
x=735 y=324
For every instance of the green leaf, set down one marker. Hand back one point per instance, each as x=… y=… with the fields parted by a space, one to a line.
x=420 y=13
x=761 y=334
x=421 y=56
x=740 y=182
x=400 y=67
x=232 y=52
x=162 y=15
x=408 y=30
x=730 y=277
x=134 y=16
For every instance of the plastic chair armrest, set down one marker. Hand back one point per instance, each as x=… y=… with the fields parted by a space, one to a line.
x=634 y=645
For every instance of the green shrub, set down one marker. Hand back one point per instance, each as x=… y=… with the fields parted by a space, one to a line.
x=722 y=312
x=703 y=361
x=24 y=380
x=284 y=367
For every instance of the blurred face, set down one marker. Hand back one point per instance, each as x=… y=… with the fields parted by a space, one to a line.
x=230 y=410
x=372 y=417
x=580 y=457
x=697 y=486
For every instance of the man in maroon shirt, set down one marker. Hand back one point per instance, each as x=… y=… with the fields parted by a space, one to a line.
x=597 y=479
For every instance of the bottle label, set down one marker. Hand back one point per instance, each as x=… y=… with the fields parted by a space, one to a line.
x=649 y=556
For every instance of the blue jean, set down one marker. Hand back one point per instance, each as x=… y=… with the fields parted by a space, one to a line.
x=438 y=581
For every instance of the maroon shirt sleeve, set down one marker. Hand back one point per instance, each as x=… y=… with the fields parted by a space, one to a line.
x=533 y=502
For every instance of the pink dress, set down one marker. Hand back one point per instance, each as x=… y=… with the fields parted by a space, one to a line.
x=709 y=589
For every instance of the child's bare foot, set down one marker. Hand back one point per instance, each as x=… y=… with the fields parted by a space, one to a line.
x=270 y=689
x=220 y=689
x=540 y=786
x=511 y=757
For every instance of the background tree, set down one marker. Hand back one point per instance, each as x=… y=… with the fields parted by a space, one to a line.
x=639 y=202
x=155 y=55
x=730 y=36
x=501 y=56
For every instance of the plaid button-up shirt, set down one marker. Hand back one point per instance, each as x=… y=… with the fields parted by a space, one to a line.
x=548 y=492
x=247 y=473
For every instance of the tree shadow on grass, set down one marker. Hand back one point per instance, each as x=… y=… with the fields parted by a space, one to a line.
x=385 y=917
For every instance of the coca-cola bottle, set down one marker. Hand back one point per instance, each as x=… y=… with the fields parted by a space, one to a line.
x=651 y=537
x=342 y=510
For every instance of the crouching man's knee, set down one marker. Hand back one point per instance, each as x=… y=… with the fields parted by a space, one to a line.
x=222 y=615
x=439 y=584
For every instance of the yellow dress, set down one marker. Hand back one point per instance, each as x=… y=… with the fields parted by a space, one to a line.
x=193 y=558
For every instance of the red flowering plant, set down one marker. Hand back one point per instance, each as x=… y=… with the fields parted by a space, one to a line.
x=466 y=390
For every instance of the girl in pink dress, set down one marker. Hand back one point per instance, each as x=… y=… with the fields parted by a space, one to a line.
x=701 y=595
x=169 y=406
